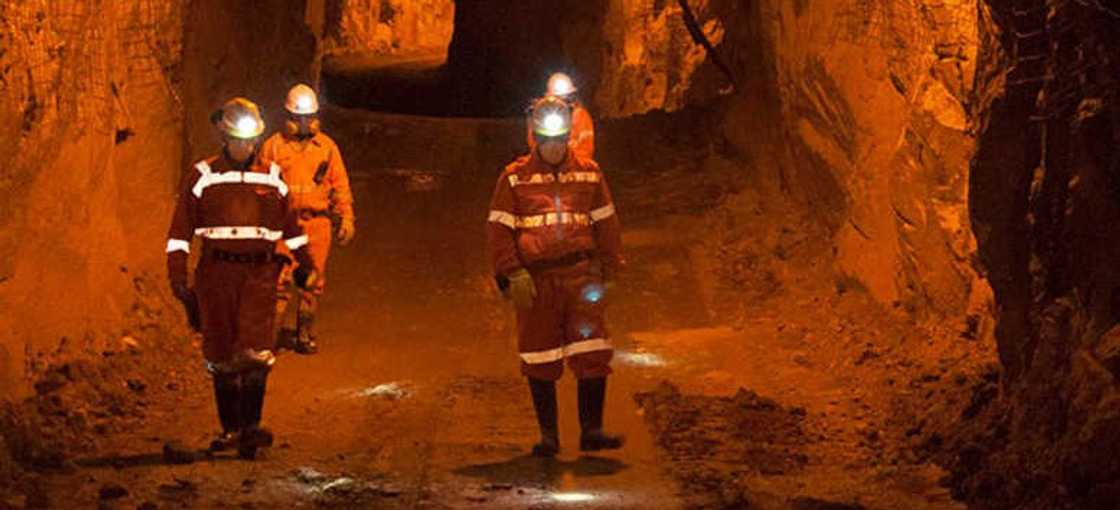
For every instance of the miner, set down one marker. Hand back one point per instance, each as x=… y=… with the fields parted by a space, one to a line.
x=319 y=191
x=555 y=244
x=582 y=138
x=240 y=211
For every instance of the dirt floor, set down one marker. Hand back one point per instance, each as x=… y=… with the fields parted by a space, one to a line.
x=812 y=398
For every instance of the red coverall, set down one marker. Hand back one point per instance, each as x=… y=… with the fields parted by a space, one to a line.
x=582 y=139
x=560 y=224
x=241 y=213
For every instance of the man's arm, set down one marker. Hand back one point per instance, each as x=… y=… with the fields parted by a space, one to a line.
x=607 y=229
x=179 y=237
x=502 y=229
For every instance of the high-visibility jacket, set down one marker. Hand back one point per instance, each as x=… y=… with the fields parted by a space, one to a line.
x=541 y=214
x=233 y=209
x=582 y=138
x=314 y=171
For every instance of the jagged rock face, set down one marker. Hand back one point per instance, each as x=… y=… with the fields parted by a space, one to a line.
x=92 y=140
x=222 y=58
x=627 y=56
x=1045 y=194
x=102 y=104
x=649 y=61
x=863 y=107
x=389 y=27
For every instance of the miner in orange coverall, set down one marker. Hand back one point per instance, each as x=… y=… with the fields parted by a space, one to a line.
x=240 y=211
x=555 y=243
x=582 y=138
x=319 y=188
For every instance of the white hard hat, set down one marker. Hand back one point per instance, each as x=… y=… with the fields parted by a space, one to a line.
x=302 y=100
x=560 y=84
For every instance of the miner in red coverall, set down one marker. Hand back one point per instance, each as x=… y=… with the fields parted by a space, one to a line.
x=555 y=242
x=240 y=211
x=582 y=137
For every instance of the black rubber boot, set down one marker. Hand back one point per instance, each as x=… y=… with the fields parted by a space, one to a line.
x=305 y=334
x=253 y=436
x=544 y=402
x=592 y=398
x=227 y=396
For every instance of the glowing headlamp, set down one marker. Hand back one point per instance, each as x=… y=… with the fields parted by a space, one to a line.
x=554 y=123
x=303 y=103
x=246 y=127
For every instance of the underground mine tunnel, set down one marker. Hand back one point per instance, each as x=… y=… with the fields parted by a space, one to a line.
x=869 y=258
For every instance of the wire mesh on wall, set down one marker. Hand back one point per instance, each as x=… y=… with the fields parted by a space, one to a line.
x=73 y=60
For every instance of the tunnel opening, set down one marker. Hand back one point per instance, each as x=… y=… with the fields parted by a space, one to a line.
x=486 y=66
x=387 y=55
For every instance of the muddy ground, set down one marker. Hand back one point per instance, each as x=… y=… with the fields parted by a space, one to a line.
x=808 y=396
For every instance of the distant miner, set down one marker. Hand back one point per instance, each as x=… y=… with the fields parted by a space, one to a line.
x=240 y=210
x=319 y=190
x=582 y=137
x=555 y=241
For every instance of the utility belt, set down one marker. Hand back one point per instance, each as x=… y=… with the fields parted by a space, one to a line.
x=570 y=259
x=308 y=214
x=253 y=257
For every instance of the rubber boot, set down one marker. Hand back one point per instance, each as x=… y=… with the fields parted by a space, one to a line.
x=592 y=398
x=227 y=396
x=305 y=334
x=253 y=436
x=544 y=402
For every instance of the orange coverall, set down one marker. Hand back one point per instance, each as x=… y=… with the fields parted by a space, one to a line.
x=318 y=184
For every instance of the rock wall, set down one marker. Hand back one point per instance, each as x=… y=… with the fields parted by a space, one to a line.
x=389 y=27
x=860 y=112
x=221 y=59
x=105 y=102
x=1045 y=191
x=648 y=59
x=92 y=123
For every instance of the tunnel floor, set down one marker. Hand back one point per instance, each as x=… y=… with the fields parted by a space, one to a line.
x=416 y=402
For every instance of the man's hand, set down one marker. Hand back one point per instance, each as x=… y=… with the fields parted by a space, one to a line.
x=346 y=231
x=187 y=297
x=522 y=290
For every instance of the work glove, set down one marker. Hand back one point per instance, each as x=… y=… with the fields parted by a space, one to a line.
x=346 y=231
x=187 y=297
x=305 y=278
x=522 y=291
